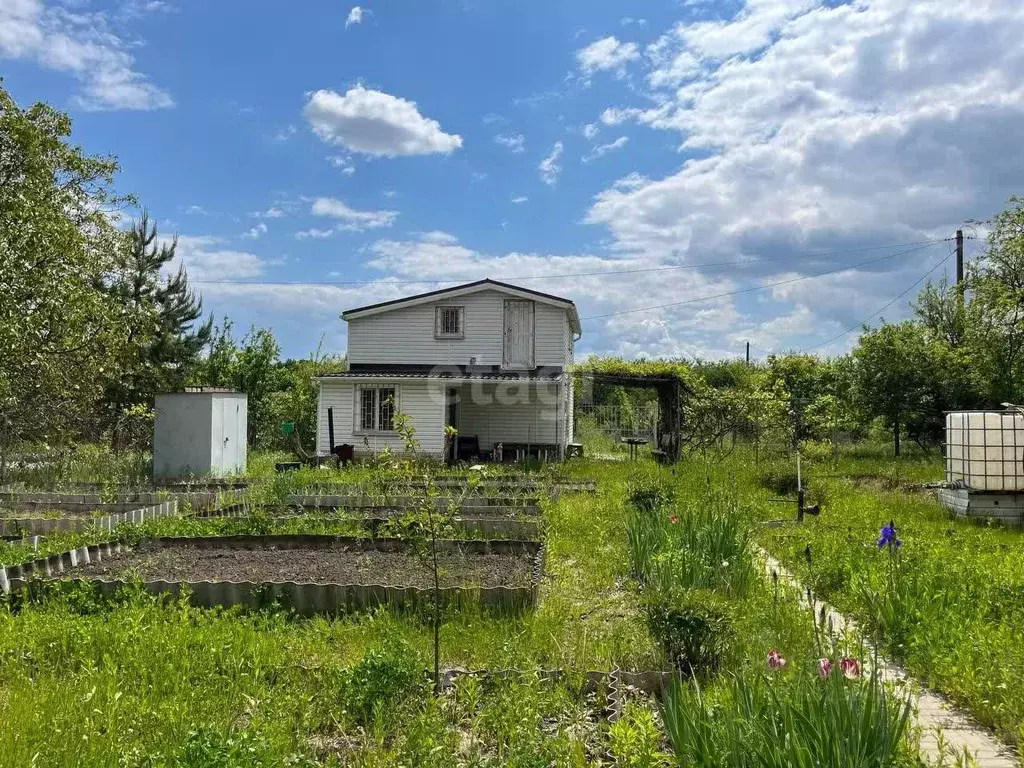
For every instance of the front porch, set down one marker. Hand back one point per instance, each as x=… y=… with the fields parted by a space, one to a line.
x=507 y=421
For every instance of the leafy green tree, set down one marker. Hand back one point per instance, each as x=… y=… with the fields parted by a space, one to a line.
x=897 y=367
x=298 y=397
x=995 y=312
x=60 y=333
x=940 y=308
x=251 y=366
x=164 y=342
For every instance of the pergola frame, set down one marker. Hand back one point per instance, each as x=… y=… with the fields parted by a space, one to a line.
x=670 y=405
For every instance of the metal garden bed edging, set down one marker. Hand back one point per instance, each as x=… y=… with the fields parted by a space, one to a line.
x=306 y=598
x=123 y=501
x=19 y=526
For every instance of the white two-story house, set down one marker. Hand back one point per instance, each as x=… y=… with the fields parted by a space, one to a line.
x=488 y=358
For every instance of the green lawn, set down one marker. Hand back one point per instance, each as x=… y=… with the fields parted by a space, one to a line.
x=139 y=681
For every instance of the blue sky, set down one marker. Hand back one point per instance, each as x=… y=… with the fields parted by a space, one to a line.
x=608 y=151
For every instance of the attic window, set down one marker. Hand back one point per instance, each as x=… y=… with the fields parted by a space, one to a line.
x=448 y=323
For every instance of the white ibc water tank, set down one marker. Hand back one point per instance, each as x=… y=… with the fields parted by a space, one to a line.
x=985 y=450
x=200 y=433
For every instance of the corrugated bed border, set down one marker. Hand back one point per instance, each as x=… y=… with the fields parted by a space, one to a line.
x=307 y=599
x=46 y=525
x=144 y=498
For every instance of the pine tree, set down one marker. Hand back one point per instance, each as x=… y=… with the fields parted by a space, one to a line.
x=161 y=311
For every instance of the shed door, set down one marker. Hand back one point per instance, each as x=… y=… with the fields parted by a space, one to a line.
x=518 y=346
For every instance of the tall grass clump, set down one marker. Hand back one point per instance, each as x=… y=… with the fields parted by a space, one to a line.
x=691 y=559
x=803 y=720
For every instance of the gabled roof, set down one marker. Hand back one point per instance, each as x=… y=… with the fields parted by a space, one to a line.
x=463 y=290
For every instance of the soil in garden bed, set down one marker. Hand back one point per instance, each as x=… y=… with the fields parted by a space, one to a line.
x=312 y=564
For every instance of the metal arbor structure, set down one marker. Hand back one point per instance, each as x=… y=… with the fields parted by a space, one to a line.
x=670 y=391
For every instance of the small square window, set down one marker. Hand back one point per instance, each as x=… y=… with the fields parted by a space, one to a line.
x=448 y=323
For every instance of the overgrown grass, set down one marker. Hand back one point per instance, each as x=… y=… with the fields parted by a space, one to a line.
x=137 y=680
x=948 y=605
x=789 y=721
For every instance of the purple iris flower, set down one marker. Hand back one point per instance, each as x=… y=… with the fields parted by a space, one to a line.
x=889 y=538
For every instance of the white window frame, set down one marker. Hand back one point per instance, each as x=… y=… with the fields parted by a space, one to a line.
x=357 y=409
x=460 y=313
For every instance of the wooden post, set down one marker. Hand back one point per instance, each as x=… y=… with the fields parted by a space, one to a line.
x=330 y=429
x=959 y=256
x=748 y=353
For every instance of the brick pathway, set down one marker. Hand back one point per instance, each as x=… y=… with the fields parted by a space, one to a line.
x=935 y=716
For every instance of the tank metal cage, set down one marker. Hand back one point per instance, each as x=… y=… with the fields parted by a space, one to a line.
x=985 y=449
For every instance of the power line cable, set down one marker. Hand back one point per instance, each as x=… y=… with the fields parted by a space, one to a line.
x=883 y=308
x=764 y=286
x=568 y=275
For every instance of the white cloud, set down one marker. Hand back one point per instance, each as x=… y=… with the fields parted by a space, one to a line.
x=590 y=131
x=606 y=55
x=273 y=212
x=355 y=16
x=352 y=220
x=439 y=237
x=376 y=123
x=549 y=167
x=196 y=210
x=812 y=127
x=256 y=232
x=513 y=141
x=629 y=20
x=285 y=134
x=343 y=163
x=204 y=261
x=520 y=199
x=82 y=45
x=316 y=234
x=604 y=149
x=598 y=284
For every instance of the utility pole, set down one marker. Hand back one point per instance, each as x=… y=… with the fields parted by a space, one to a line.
x=959 y=257
x=748 y=353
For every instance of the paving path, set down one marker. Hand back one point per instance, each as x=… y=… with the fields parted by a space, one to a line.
x=946 y=732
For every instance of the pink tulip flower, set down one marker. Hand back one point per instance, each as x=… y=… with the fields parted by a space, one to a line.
x=850 y=667
x=775 y=660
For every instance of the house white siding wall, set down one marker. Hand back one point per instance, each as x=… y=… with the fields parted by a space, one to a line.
x=497 y=413
x=405 y=335
x=416 y=397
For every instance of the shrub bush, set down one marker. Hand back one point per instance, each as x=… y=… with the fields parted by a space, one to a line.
x=694 y=628
x=650 y=493
x=381 y=681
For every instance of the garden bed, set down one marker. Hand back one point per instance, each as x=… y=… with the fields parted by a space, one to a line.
x=21 y=518
x=487 y=522
x=529 y=505
x=313 y=574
